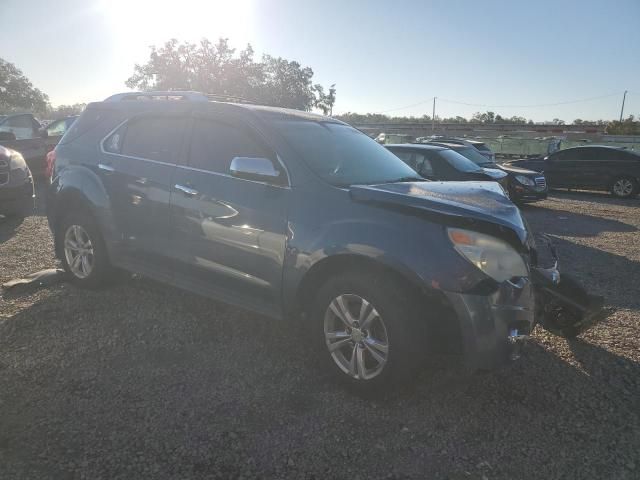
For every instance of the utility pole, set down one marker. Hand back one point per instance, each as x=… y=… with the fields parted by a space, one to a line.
x=433 y=116
x=622 y=109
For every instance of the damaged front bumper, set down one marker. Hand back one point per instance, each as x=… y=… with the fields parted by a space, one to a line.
x=494 y=327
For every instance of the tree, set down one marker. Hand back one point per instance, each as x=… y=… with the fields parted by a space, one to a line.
x=326 y=101
x=17 y=93
x=487 y=117
x=62 y=111
x=629 y=126
x=557 y=121
x=217 y=68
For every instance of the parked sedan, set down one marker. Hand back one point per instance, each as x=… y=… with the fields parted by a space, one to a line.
x=435 y=162
x=523 y=185
x=613 y=169
x=16 y=185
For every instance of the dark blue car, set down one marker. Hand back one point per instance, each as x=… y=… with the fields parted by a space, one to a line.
x=292 y=214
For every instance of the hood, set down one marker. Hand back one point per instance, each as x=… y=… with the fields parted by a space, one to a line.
x=518 y=171
x=458 y=203
x=495 y=173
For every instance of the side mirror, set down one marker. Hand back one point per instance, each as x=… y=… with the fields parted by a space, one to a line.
x=7 y=136
x=43 y=133
x=255 y=168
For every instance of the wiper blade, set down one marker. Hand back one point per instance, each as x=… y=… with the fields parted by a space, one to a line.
x=409 y=179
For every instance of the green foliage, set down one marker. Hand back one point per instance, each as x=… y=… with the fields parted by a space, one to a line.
x=217 y=68
x=61 y=111
x=629 y=126
x=17 y=93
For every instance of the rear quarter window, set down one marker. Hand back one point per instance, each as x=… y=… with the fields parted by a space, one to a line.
x=87 y=121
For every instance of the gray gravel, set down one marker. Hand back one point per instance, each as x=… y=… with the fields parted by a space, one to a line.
x=144 y=381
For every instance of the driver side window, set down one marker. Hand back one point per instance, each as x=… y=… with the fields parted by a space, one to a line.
x=215 y=144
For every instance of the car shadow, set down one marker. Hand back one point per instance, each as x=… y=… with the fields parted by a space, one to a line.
x=565 y=223
x=164 y=370
x=8 y=227
x=594 y=195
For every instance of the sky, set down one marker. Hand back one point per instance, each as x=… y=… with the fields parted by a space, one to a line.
x=510 y=57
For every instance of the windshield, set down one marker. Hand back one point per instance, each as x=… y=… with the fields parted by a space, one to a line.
x=459 y=162
x=342 y=155
x=476 y=157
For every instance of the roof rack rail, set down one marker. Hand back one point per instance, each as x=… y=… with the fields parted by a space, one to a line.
x=176 y=95
x=227 y=98
x=159 y=95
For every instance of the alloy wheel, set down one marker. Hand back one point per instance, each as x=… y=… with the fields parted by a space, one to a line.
x=356 y=336
x=623 y=187
x=78 y=251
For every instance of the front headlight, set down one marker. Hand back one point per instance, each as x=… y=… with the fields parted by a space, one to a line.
x=494 y=257
x=525 y=180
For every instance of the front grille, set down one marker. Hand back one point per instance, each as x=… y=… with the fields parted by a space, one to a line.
x=541 y=183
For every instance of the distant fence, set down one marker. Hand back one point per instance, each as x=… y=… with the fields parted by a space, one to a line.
x=420 y=129
x=508 y=140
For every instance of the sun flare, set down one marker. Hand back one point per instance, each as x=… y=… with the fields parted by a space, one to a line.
x=136 y=23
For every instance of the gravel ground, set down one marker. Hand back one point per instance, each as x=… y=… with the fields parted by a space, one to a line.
x=145 y=381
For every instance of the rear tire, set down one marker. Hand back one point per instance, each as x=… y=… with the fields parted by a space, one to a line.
x=84 y=254
x=624 y=187
x=366 y=331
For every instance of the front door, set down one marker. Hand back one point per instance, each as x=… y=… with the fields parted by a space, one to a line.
x=229 y=232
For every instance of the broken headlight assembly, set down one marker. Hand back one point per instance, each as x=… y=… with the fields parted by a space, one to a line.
x=494 y=257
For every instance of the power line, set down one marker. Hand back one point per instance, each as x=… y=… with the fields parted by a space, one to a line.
x=503 y=106
x=407 y=106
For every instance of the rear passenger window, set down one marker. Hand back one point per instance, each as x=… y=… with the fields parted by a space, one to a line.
x=154 y=138
x=214 y=144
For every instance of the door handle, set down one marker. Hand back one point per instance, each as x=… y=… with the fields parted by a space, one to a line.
x=107 y=168
x=190 y=192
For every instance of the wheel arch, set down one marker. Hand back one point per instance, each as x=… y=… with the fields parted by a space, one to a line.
x=80 y=189
x=442 y=322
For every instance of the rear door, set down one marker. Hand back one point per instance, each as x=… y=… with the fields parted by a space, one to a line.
x=229 y=233
x=139 y=159
x=562 y=168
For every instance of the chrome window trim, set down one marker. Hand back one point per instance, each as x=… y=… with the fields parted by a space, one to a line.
x=220 y=174
x=186 y=167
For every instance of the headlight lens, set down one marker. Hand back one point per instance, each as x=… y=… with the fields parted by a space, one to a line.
x=491 y=255
x=525 y=180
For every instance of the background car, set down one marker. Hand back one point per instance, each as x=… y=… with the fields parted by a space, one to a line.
x=481 y=147
x=16 y=185
x=613 y=169
x=23 y=133
x=435 y=162
x=56 y=129
x=523 y=185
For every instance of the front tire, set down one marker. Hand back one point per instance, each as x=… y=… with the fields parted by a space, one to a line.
x=366 y=331
x=624 y=187
x=84 y=254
